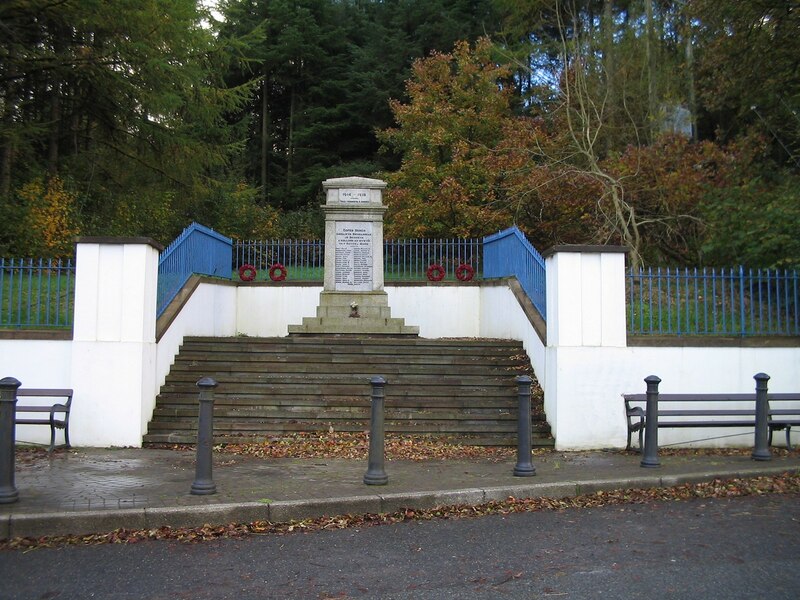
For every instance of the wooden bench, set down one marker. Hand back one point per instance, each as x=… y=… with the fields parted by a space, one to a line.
x=51 y=409
x=744 y=415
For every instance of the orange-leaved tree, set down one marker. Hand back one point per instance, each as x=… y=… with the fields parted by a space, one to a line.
x=50 y=220
x=456 y=115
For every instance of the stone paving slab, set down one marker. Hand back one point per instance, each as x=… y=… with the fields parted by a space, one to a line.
x=94 y=490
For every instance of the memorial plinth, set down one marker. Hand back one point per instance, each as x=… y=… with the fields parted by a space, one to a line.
x=353 y=299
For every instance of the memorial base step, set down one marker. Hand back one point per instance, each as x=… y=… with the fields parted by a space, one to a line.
x=331 y=325
x=354 y=313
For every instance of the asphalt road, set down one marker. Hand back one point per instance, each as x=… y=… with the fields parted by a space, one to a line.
x=735 y=548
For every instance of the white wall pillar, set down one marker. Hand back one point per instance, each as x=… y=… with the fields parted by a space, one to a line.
x=114 y=347
x=585 y=324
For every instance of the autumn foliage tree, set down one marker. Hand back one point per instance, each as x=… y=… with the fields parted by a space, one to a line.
x=50 y=217
x=456 y=115
x=471 y=166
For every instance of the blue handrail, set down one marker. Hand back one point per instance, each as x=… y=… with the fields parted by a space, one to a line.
x=197 y=250
x=508 y=253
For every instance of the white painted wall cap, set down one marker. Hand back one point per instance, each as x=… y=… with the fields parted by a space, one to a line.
x=584 y=248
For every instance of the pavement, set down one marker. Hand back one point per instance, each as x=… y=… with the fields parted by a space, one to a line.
x=95 y=490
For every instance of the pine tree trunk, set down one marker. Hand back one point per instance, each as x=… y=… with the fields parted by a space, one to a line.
x=690 y=78
x=5 y=168
x=265 y=141
x=290 y=144
x=652 y=108
x=55 y=128
x=607 y=28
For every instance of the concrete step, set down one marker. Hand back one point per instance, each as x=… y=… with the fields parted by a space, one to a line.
x=463 y=402
x=344 y=412
x=275 y=426
x=324 y=344
x=269 y=386
x=498 y=439
x=318 y=325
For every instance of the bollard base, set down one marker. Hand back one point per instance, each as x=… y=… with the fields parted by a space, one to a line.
x=9 y=496
x=761 y=455
x=650 y=464
x=203 y=488
x=376 y=479
x=524 y=471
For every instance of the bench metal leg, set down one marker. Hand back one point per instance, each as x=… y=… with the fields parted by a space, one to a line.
x=629 y=446
x=788 y=441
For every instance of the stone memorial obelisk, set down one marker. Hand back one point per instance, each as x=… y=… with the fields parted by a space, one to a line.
x=353 y=299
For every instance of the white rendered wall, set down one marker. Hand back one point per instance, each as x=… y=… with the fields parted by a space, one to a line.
x=586 y=299
x=37 y=364
x=715 y=370
x=438 y=310
x=502 y=317
x=590 y=408
x=113 y=347
x=589 y=365
x=267 y=311
x=585 y=318
x=209 y=311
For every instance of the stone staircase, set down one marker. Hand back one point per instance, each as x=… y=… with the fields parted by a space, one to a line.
x=272 y=386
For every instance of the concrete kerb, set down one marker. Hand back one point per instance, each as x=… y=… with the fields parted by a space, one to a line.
x=87 y=522
x=297 y=510
x=710 y=475
x=210 y=514
x=75 y=522
x=428 y=500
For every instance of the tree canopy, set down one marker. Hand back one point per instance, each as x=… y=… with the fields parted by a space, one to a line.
x=669 y=126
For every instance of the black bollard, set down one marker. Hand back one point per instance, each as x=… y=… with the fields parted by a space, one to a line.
x=761 y=449
x=8 y=410
x=650 y=456
x=376 y=474
x=524 y=466
x=203 y=483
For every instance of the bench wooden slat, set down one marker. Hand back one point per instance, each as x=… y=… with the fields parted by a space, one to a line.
x=710 y=412
x=44 y=392
x=711 y=397
x=693 y=397
x=708 y=423
x=47 y=409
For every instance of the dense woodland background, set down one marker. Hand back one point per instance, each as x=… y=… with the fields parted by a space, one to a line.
x=669 y=126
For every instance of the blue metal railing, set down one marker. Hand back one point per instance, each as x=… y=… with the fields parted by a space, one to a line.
x=402 y=259
x=509 y=253
x=303 y=259
x=738 y=302
x=37 y=293
x=197 y=250
x=410 y=259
